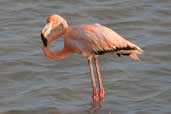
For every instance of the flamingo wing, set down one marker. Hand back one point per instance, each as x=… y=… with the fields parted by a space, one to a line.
x=98 y=39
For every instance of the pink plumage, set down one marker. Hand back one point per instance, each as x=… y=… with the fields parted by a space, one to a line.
x=97 y=39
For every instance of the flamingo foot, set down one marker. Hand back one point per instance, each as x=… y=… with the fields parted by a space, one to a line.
x=101 y=98
x=102 y=94
x=95 y=96
x=95 y=100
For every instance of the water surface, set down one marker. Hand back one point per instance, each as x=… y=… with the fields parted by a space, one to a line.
x=32 y=84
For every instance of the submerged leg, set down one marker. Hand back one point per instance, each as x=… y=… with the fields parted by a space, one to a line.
x=101 y=91
x=95 y=93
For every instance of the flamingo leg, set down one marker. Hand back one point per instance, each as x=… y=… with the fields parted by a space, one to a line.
x=101 y=90
x=95 y=93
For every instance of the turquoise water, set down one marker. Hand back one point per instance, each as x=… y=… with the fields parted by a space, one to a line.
x=32 y=84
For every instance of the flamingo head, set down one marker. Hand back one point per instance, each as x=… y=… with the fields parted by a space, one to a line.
x=53 y=21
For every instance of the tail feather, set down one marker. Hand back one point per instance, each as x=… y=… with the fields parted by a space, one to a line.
x=132 y=52
x=134 y=56
x=126 y=49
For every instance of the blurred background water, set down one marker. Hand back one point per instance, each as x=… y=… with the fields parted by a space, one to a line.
x=32 y=84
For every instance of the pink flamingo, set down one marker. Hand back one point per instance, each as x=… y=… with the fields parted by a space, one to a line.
x=88 y=40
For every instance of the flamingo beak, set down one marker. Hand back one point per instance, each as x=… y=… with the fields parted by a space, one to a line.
x=45 y=31
x=44 y=40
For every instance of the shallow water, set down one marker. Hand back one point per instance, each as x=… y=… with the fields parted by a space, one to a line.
x=32 y=84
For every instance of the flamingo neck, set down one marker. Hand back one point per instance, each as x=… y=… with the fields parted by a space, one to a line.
x=56 y=55
x=56 y=35
x=64 y=23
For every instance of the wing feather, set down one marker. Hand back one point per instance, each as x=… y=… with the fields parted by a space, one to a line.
x=96 y=38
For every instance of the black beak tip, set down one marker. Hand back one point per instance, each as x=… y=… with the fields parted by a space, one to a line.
x=44 y=40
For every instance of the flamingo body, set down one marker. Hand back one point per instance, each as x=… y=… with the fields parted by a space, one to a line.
x=95 y=39
x=88 y=40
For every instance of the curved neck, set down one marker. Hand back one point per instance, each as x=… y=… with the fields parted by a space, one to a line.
x=56 y=55
x=64 y=23
x=56 y=35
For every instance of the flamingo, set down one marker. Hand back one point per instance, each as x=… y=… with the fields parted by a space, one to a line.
x=88 y=40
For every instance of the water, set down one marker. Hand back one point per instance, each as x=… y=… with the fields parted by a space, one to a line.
x=32 y=84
